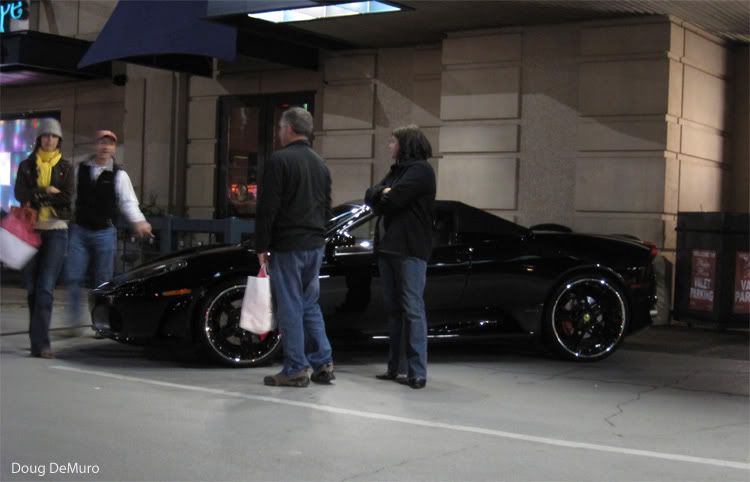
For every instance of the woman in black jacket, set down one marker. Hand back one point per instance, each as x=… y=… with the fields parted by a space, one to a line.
x=45 y=182
x=404 y=202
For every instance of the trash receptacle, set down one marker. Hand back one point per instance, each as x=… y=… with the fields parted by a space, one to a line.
x=712 y=277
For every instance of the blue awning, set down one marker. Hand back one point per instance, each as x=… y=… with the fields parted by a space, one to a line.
x=165 y=34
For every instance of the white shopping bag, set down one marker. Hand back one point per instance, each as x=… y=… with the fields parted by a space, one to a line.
x=14 y=251
x=257 y=311
x=18 y=239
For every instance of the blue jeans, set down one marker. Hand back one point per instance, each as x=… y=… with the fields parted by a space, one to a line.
x=40 y=277
x=404 y=279
x=97 y=245
x=296 y=288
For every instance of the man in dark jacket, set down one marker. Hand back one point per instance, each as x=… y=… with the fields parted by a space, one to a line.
x=293 y=207
x=404 y=201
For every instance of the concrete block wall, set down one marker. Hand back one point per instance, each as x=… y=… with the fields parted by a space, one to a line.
x=621 y=169
x=346 y=135
x=82 y=19
x=480 y=100
x=700 y=117
x=740 y=169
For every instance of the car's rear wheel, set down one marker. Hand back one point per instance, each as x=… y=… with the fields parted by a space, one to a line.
x=219 y=333
x=586 y=318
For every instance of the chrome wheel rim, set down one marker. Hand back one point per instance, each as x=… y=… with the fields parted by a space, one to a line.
x=222 y=326
x=588 y=318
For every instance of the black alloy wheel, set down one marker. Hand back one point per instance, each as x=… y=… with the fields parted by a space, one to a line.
x=222 y=339
x=586 y=318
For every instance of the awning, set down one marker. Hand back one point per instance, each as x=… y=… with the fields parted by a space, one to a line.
x=171 y=35
x=30 y=57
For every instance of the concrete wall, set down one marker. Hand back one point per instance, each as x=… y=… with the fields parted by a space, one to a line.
x=480 y=110
x=152 y=115
x=700 y=119
x=740 y=177
x=621 y=168
x=82 y=19
x=608 y=126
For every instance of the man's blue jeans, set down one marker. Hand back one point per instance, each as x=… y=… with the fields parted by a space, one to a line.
x=97 y=246
x=296 y=288
x=404 y=279
x=40 y=277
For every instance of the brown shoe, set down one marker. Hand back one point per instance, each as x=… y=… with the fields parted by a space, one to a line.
x=46 y=354
x=299 y=379
x=324 y=374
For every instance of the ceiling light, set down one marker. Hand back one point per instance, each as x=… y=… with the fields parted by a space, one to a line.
x=324 y=11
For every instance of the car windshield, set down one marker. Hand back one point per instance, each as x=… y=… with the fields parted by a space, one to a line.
x=343 y=213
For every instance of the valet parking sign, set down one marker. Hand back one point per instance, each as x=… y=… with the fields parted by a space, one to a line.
x=702 y=283
x=742 y=283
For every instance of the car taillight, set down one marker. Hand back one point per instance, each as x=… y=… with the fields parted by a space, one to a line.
x=654 y=249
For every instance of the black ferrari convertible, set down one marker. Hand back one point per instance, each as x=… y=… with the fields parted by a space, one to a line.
x=488 y=277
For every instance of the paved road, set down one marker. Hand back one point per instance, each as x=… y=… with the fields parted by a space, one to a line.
x=488 y=413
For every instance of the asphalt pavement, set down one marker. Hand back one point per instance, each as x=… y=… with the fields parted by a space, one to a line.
x=672 y=404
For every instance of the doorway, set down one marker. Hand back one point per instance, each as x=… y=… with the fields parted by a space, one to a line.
x=248 y=137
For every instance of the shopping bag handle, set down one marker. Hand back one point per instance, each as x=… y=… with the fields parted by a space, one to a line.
x=263 y=272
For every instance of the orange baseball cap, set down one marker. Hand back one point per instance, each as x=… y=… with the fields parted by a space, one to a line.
x=105 y=133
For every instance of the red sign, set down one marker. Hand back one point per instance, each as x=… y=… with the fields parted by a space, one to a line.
x=702 y=280
x=742 y=283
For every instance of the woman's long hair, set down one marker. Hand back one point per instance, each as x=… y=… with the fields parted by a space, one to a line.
x=412 y=144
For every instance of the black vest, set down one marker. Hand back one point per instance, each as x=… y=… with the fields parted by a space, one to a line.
x=96 y=201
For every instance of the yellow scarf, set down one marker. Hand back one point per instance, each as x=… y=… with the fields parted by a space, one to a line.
x=45 y=161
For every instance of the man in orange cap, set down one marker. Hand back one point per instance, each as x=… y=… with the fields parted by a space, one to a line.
x=102 y=189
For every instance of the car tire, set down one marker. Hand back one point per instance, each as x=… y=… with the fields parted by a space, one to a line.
x=586 y=318
x=219 y=335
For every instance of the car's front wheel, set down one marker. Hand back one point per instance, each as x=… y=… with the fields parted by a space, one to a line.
x=586 y=318
x=219 y=333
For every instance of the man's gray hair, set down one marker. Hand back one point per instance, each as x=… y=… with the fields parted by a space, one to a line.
x=299 y=120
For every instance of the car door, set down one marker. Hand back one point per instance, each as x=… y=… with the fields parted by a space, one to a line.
x=447 y=270
x=501 y=279
x=351 y=289
x=350 y=297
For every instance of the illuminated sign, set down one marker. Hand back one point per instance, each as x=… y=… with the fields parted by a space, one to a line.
x=703 y=278
x=12 y=10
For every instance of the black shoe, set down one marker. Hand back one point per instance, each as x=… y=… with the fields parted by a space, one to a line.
x=46 y=354
x=416 y=383
x=324 y=374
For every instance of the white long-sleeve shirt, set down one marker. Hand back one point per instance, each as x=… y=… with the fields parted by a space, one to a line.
x=127 y=201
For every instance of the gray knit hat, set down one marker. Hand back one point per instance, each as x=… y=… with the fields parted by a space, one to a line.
x=49 y=125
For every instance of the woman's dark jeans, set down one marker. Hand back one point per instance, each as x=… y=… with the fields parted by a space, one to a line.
x=40 y=276
x=404 y=280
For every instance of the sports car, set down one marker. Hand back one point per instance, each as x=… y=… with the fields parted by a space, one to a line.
x=488 y=278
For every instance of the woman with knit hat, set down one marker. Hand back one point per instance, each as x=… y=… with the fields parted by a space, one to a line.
x=45 y=182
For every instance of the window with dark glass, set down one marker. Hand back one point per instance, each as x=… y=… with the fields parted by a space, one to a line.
x=248 y=127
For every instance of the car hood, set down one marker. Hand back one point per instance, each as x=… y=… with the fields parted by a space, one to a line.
x=205 y=257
